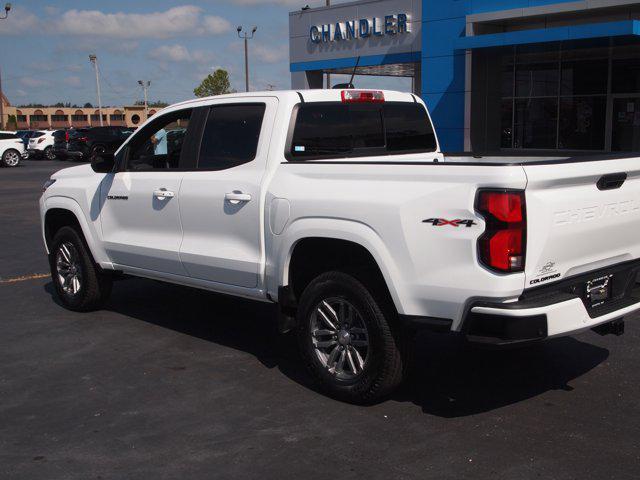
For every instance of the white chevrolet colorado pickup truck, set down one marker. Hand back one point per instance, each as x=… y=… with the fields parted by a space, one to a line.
x=339 y=206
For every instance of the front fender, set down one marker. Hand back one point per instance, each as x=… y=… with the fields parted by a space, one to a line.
x=90 y=230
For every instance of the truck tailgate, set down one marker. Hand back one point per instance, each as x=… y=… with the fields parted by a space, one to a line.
x=580 y=217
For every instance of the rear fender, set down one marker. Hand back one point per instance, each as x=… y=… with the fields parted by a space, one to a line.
x=330 y=228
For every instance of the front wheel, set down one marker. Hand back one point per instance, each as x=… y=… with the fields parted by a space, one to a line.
x=11 y=158
x=80 y=285
x=347 y=339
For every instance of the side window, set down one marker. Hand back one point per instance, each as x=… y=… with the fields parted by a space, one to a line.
x=408 y=128
x=230 y=136
x=321 y=130
x=158 y=145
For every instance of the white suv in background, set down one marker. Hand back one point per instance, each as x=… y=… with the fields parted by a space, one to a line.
x=11 y=149
x=41 y=145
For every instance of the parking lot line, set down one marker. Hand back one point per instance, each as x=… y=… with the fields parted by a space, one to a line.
x=24 y=278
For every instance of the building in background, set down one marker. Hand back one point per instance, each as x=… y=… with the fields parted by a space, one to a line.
x=44 y=118
x=497 y=75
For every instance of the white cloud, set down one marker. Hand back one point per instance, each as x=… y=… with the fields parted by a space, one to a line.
x=179 y=53
x=216 y=25
x=33 y=82
x=73 y=81
x=293 y=3
x=266 y=54
x=182 y=20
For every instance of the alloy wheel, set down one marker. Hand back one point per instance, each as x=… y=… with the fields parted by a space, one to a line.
x=340 y=338
x=11 y=158
x=69 y=268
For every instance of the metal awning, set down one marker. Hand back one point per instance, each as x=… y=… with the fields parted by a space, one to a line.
x=543 y=35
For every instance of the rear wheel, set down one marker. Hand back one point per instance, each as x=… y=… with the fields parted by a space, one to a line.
x=80 y=285
x=347 y=340
x=11 y=158
x=49 y=154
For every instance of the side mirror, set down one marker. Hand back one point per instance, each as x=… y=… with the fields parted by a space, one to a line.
x=103 y=163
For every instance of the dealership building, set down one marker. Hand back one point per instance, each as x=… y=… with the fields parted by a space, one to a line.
x=497 y=75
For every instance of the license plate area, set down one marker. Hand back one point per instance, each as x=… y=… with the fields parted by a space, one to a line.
x=598 y=290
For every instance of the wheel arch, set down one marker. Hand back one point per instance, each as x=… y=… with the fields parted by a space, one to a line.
x=352 y=243
x=65 y=211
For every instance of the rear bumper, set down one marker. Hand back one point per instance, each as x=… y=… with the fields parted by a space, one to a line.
x=553 y=310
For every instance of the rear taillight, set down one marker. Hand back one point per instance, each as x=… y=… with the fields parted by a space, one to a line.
x=41 y=139
x=502 y=246
x=362 y=96
x=83 y=139
x=66 y=136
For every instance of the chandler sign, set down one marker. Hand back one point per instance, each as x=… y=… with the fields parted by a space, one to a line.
x=363 y=28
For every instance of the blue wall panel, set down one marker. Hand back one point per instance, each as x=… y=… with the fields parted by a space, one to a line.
x=443 y=68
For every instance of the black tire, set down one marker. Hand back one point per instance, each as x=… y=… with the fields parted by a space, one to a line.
x=49 y=154
x=11 y=158
x=97 y=151
x=383 y=365
x=94 y=285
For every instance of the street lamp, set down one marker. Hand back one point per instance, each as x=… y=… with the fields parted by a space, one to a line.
x=145 y=87
x=7 y=7
x=246 y=36
x=94 y=60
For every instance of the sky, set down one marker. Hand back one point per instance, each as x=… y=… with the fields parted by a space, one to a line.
x=45 y=47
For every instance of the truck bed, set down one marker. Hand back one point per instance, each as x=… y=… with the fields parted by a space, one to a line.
x=499 y=158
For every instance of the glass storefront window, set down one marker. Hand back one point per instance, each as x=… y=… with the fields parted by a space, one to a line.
x=506 y=124
x=535 y=123
x=537 y=74
x=625 y=69
x=584 y=71
x=582 y=123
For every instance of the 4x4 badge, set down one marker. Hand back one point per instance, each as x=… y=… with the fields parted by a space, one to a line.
x=441 y=222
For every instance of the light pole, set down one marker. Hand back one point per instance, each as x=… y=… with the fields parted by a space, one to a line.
x=93 y=59
x=246 y=36
x=328 y=74
x=145 y=87
x=7 y=7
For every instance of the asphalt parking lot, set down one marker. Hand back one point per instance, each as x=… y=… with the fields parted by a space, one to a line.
x=170 y=382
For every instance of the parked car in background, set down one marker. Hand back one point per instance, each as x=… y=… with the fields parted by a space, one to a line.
x=96 y=141
x=11 y=149
x=41 y=145
x=61 y=139
x=25 y=135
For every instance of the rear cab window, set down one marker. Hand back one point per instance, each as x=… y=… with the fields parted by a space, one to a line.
x=338 y=130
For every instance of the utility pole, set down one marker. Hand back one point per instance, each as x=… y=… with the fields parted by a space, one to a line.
x=7 y=7
x=145 y=86
x=246 y=36
x=93 y=59
x=328 y=74
x=1 y=104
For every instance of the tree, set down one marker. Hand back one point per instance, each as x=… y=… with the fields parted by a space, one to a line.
x=88 y=105
x=216 y=83
x=153 y=104
x=12 y=123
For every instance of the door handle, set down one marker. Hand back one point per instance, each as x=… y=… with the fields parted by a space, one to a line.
x=611 y=181
x=237 y=197
x=163 y=193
